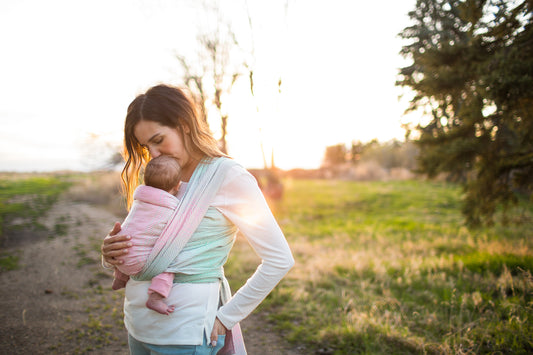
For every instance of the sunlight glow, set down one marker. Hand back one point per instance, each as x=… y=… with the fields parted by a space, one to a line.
x=65 y=78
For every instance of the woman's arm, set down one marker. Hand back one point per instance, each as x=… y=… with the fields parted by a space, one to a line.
x=114 y=245
x=245 y=205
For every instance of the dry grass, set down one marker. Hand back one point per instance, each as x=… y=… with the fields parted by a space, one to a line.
x=389 y=268
x=101 y=189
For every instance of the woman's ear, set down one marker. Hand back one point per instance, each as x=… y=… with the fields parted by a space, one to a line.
x=186 y=129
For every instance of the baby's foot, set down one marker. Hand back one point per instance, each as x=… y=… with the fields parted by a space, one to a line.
x=155 y=302
x=118 y=284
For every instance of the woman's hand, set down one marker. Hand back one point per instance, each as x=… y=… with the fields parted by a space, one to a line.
x=218 y=329
x=115 y=245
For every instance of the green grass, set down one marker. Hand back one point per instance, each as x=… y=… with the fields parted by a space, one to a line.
x=27 y=197
x=389 y=268
x=23 y=199
x=8 y=262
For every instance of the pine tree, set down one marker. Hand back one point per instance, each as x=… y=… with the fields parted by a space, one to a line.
x=472 y=73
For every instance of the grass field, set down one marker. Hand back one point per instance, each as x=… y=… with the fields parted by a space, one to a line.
x=381 y=267
x=28 y=196
x=389 y=268
x=23 y=198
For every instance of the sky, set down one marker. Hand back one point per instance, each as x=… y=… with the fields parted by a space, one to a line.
x=69 y=69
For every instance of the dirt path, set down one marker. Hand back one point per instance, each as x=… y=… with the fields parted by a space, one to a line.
x=59 y=300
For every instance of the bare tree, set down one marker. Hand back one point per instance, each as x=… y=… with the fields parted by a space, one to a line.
x=193 y=81
x=211 y=74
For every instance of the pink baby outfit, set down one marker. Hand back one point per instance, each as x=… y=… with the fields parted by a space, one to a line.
x=148 y=216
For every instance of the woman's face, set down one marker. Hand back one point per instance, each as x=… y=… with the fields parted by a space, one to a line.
x=162 y=140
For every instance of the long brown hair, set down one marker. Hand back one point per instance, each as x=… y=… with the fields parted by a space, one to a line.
x=172 y=107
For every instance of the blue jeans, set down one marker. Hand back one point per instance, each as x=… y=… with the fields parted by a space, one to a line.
x=140 y=348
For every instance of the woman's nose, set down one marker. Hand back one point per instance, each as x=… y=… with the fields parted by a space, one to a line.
x=154 y=153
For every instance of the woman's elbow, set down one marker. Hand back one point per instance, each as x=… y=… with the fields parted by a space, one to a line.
x=279 y=266
x=287 y=264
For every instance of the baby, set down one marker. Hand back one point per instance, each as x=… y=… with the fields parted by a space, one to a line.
x=154 y=202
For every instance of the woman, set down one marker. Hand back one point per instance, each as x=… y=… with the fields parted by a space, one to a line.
x=164 y=121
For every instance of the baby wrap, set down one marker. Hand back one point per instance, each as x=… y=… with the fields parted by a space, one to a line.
x=148 y=216
x=201 y=190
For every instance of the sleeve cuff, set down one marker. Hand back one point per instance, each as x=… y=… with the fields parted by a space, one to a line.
x=225 y=321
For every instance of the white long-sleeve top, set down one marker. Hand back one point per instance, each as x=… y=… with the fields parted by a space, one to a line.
x=241 y=201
